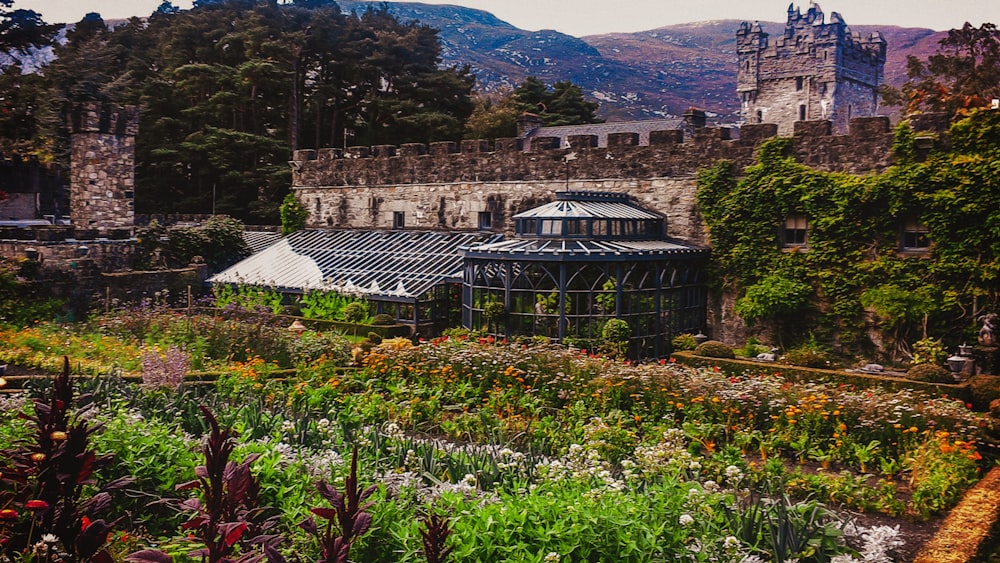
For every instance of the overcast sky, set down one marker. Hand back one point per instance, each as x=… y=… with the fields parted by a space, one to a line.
x=589 y=17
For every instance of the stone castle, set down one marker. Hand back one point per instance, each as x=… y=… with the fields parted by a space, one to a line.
x=814 y=70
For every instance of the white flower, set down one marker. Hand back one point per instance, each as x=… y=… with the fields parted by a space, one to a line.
x=49 y=538
x=551 y=557
x=733 y=472
x=686 y=520
x=731 y=543
x=694 y=466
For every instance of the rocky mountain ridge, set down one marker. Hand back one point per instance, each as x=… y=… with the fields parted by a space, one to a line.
x=647 y=74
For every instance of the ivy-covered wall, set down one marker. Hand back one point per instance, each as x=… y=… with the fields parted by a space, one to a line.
x=851 y=286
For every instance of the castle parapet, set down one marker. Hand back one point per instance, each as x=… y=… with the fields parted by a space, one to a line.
x=356 y=152
x=623 y=140
x=544 y=143
x=443 y=148
x=508 y=144
x=103 y=118
x=865 y=127
x=581 y=141
x=671 y=137
x=412 y=149
x=758 y=132
x=383 y=151
x=817 y=128
x=475 y=146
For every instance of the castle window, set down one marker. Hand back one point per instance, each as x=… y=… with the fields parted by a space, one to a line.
x=802 y=112
x=794 y=234
x=398 y=220
x=914 y=236
x=798 y=82
x=760 y=116
x=485 y=220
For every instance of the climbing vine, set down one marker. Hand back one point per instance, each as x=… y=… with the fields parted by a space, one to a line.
x=852 y=258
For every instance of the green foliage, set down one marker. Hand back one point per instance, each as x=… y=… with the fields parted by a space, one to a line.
x=326 y=305
x=931 y=373
x=219 y=241
x=492 y=118
x=751 y=349
x=684 y=342
x=714 y=349
x=616 y=334
x=21 y=301
x=383 y=319
x=852 y=262
x=355 y=312
x=809 y=354
x=560 y=104
x=293 y=215
x=229 y=89
x=249 y=297
x=929 y=351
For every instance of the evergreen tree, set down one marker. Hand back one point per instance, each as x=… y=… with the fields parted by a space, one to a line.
x=562 y=104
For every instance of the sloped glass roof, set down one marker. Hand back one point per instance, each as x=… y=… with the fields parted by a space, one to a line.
x=587 y=205
x=401 y=264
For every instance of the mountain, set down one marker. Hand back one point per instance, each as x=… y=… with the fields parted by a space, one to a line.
x=640 y=75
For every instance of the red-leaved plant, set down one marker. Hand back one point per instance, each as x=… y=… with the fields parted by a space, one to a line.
x=226 y=518
x=346 y=520
x=42 y=481
x=434 y=535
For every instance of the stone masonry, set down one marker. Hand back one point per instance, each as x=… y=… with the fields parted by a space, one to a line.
x=102 y=166
x=813 y=71
x=446 y=188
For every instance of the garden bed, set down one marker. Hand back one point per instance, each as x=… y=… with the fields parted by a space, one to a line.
x=729 y=366
x=647 y=463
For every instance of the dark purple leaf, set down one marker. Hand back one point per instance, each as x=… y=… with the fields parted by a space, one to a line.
x=362 y=522
x=327 y=513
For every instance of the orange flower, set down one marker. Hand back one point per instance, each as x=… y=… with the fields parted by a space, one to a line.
x=8 y=514
x=36 y=504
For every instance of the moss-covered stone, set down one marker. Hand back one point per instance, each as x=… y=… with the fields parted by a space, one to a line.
x=930 y=373
x=714 y=349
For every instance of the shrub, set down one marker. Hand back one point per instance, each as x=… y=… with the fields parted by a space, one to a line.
x=375 y=338
x=751 y=349
x=383 y=319
x=985 y=389
x=810 y=355
x=355 y=312
x=714 y=349
x=929 y=351
x=930 y=373
x=684 y=342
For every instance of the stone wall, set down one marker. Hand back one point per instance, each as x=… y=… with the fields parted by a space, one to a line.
x=438 y=188
x=102 y=166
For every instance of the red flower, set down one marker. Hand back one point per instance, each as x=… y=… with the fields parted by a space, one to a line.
x=8 y=514
x=36 y=505
x=84 y=524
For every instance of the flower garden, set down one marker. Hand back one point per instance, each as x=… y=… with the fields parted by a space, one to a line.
x=457 y=449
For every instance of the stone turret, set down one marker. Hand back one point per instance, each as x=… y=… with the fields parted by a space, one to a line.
x=813 y=71
x=102 y=165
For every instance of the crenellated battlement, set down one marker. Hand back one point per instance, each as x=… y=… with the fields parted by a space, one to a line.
x=103 y=118
x=813 y=70
x=865 y=148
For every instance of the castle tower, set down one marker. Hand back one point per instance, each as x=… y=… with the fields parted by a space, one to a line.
x=814 y=70
x=102 y=165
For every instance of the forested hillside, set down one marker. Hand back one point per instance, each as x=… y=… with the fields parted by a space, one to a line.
x=229 y=88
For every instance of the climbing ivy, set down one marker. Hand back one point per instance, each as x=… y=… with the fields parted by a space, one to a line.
x=854 y=228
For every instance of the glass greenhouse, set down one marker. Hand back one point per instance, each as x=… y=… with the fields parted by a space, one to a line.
x=579 y=261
